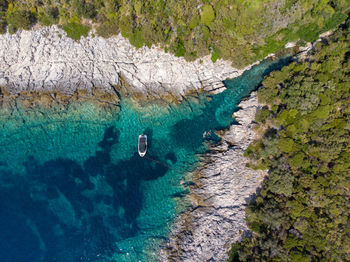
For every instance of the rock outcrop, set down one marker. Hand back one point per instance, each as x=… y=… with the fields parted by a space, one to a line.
x=46 y=59
x=223 y=185
x=37 y=100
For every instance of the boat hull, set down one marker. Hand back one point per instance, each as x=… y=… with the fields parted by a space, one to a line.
x=142 y=145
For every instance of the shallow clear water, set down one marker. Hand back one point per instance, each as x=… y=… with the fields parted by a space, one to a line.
x=73 y=188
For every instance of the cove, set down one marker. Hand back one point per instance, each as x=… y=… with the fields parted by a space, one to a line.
x=73 y=188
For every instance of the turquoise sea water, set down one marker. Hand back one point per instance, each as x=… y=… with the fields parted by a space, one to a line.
x=73 y=188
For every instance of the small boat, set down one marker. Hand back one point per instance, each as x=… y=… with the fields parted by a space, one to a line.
x=142 y=146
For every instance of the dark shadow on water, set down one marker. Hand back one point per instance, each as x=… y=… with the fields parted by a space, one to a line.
x=172 y=157
x=190 y=133
x=95 y=164
x=63 y=211
x=56 y=212
x=111 y=137
x=126 y=184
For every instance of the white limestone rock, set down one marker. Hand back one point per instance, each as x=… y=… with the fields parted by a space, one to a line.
x=46 y=59
x=290 y=45
x=213 y=223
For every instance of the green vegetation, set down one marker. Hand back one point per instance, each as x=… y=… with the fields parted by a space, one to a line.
x=235 y=30
x=107 y=29
x=302 y=211
x=207 y=15
x=215 y=55
x=76 y=30
x=48 y=16
x=21 y=19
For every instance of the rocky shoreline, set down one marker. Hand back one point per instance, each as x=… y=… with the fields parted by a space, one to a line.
x=222 y=187
x=45 y=67
x=46 y=59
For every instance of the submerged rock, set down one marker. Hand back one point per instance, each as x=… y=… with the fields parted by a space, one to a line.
x=223 y=185
x=46 y=59
x=36 y=100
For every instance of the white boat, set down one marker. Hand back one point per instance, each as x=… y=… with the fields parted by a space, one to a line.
x=142 y=145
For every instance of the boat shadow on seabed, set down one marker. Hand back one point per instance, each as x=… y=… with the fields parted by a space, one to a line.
x=65 y=195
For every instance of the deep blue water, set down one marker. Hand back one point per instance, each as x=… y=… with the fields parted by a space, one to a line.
x=73 y=188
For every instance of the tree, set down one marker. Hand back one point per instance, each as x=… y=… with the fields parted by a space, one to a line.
x=207 y=15
x=302 y=212
x=21 y=19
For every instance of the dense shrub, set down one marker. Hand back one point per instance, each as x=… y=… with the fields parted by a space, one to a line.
x=215 y=55
x=207 y=15
x=302 y=212
x=240 y=31
x=76 y=30
x=3 y=5
x=180 y=50
x=2 y=27
x=136 y=39
x=107 y=29
x=84 y=9
x=48 y=16
x=21 y=19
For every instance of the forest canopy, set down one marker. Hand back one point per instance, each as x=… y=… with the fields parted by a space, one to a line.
x=302 y=211
x=235 y=30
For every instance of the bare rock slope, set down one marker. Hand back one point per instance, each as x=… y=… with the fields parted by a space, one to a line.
x=224 y=184
x=46 y=59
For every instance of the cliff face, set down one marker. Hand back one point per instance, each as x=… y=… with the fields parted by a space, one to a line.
x=45 y=59
x=223 y=185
